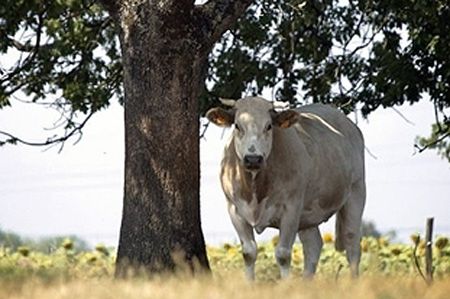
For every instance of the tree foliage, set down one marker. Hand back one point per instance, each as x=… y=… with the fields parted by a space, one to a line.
x=359 y=55
x=369 y=229
x=62 y=54
x=354 y=54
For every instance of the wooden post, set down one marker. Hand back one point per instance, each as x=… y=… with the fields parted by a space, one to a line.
x=429 y=250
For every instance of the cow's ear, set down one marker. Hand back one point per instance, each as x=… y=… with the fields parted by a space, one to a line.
x=221 y=117
x=285 y=119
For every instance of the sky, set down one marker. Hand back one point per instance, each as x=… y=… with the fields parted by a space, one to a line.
x=79 y=191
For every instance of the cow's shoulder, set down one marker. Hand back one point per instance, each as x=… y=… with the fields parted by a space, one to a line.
x=326 y=120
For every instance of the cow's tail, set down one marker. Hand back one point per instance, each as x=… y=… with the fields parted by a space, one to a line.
x=340 y=233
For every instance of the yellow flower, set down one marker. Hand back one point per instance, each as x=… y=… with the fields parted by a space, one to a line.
x=365 y=245
x=383 y=242
x=441 y=242
x=275 y=241
x=232 y=251
x=102 y=249
x=92 y=258
x=422 y=244
x=396 y=251
x=415 y=238
x=327 y=238
x=24 y=250
x=67 y=244
x=227 y=246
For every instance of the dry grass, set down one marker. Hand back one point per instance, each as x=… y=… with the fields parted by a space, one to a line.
x=388 y=272
x=233 y=286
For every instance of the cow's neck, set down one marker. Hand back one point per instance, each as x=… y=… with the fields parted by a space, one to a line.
x=253 y=185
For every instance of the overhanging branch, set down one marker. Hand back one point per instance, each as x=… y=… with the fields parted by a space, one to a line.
x=12 y=139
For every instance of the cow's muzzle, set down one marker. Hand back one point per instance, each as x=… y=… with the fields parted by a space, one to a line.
x=253 y=162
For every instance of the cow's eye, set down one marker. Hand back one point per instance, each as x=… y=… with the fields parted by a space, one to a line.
x=269 y=127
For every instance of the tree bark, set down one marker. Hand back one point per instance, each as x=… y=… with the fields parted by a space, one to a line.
x=163 y=72
x=165 y=46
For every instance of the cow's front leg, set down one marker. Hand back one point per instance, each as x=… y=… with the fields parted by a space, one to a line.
x=247 y=238
x=288 y=231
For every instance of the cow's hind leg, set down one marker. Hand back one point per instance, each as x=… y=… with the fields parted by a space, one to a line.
x=312 y=246
x=247 y=238
x=348 y=226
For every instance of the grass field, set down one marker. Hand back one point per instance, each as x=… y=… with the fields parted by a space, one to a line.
x=388 y=271
x=232 y=287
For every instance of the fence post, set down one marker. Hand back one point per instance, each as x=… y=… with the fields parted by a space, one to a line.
x=429 y=250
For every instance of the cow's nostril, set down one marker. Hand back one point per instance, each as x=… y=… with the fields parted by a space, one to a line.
x=253 y=161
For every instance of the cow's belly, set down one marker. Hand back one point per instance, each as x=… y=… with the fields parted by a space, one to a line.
x=314 y=218
x=266 y=215
x=307 y=220
x=314 y=210
x=320 y=207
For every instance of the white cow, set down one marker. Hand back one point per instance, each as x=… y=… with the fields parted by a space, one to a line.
x=292 y=170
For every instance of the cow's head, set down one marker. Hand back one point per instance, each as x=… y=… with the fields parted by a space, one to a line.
x=254 y=120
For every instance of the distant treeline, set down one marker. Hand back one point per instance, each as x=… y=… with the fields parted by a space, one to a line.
x=45 y=244
x=49 y=244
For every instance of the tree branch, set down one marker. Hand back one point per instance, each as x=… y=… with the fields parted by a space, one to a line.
x=11 y=139
x=430 y=144
x=436 y=115
x=223 y=14
x=30 y=59
x=27 y=47
x=205 y=128
x=402 y=116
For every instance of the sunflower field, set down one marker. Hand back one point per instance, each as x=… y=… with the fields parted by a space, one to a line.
x=30 y=274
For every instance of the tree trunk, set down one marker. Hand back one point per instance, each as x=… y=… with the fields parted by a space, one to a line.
x=165 y=46
x=163 y=74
